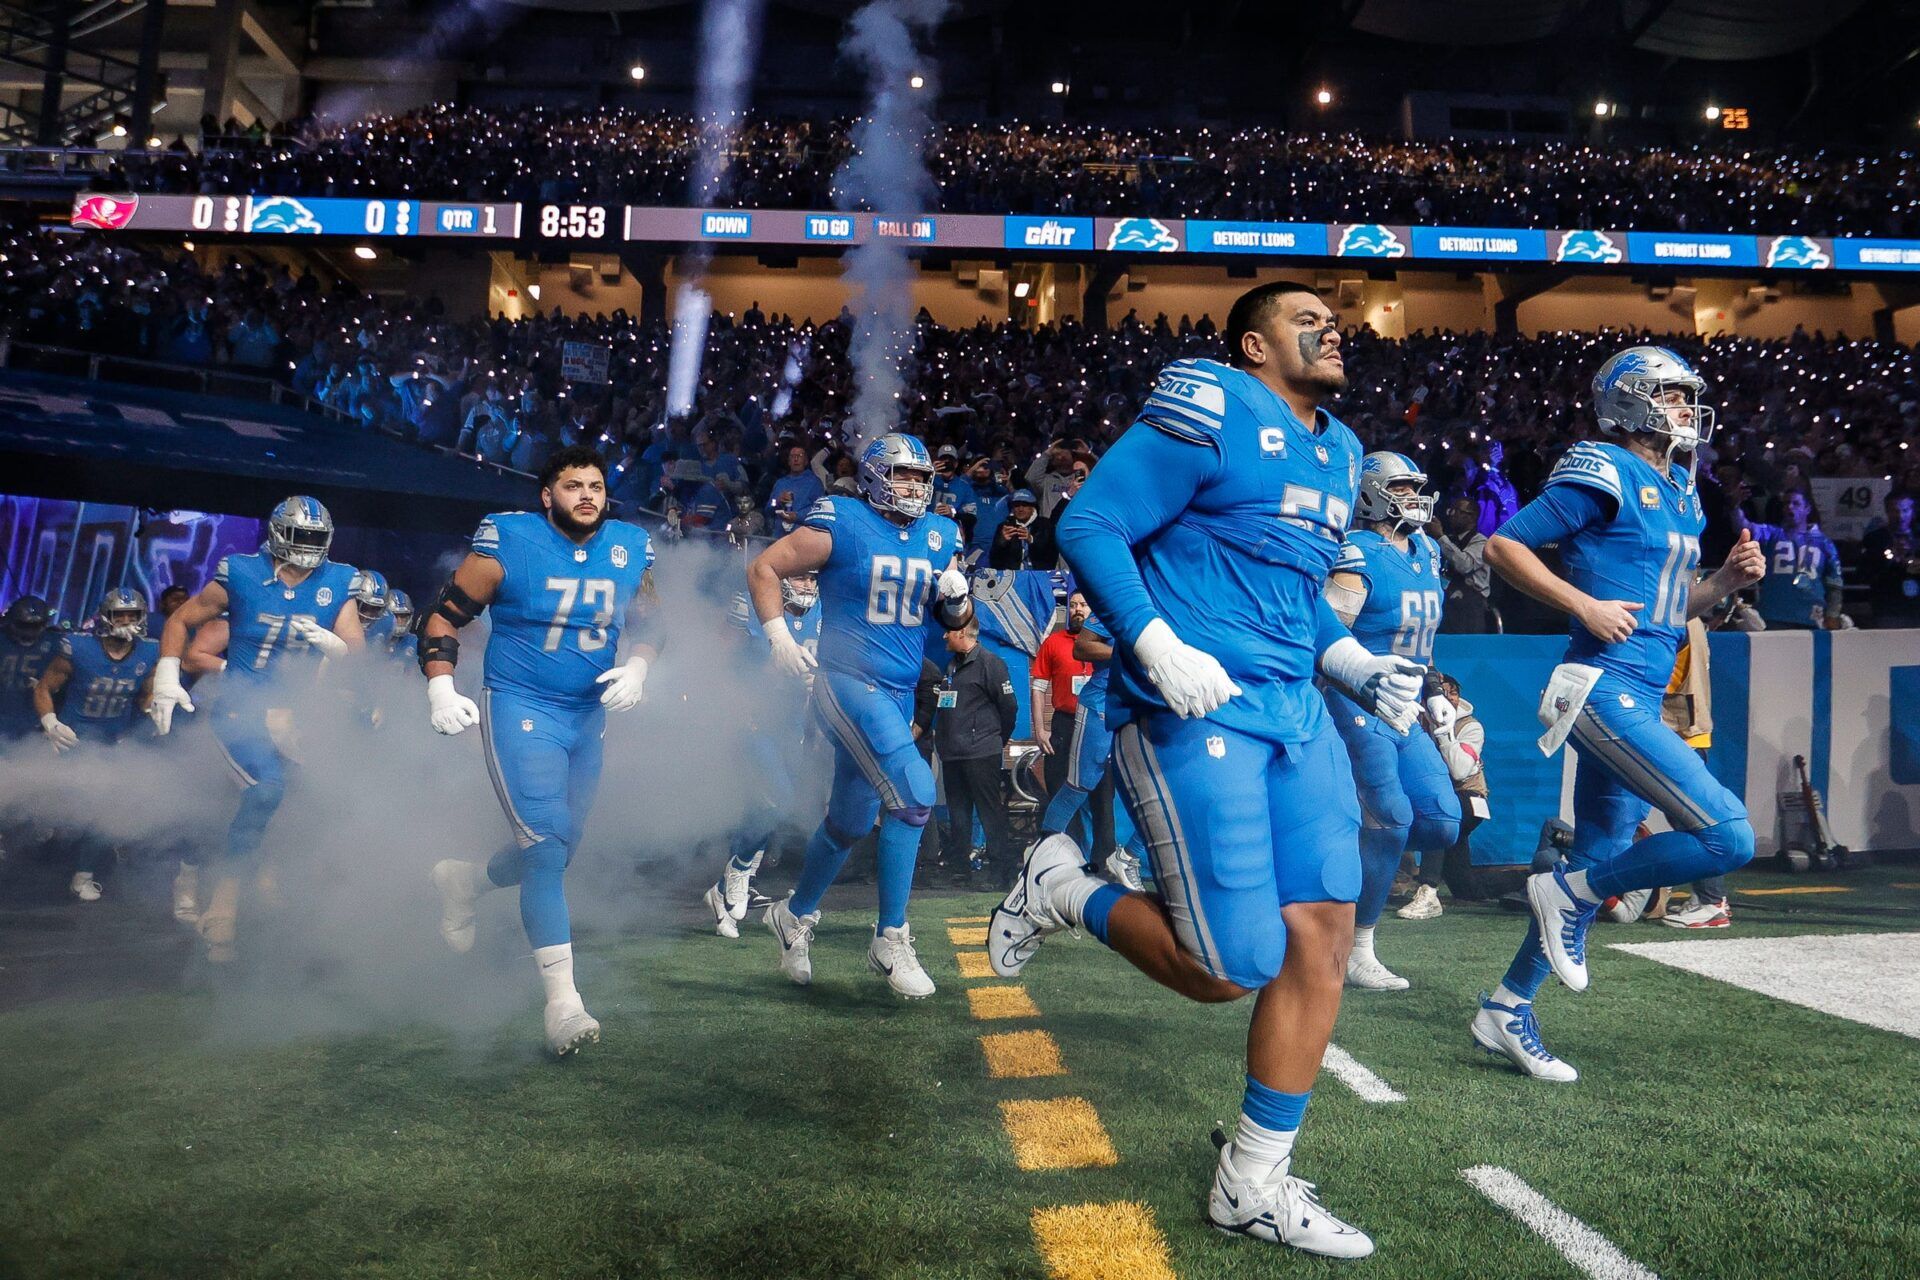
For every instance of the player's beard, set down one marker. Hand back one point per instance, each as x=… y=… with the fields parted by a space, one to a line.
x=565 y=521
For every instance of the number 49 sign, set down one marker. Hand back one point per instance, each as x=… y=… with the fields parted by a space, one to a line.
x=1848 y=503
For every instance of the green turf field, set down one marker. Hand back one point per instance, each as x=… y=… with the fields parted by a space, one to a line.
x=730 y=1125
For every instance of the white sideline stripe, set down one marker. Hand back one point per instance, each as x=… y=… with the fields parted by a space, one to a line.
x=1578 y=1243
x=1347 y=1069
x=1814 y=971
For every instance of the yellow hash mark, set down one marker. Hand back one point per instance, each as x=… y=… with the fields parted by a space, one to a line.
x=1056 y=1133
x=1810 y=888
x=966 y=937
x=1021 y=1055
x=1001 y=1002
x=1101 y=1242
x=974 y=964
x=968 y=919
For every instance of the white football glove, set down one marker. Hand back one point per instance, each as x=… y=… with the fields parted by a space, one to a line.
x=63 y=738
x=1191 y=680
x=450 y=709
x=624 y=684
x=1388 y=686
x=1441 y=714
x=953 y=584
x=787 y=653
x=167 y=694
x=324 y=641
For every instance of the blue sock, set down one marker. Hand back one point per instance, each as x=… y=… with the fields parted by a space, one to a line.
x=742 y=861
x=1093 y=916
x=899 y=849
x=1529 y=968
x=1062 y=809
x=1379 y=858
x=825 y=857
x=1272 y=1109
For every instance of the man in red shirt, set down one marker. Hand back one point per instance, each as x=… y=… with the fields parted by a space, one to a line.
x=1057 y=677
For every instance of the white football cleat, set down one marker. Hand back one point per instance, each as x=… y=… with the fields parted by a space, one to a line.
x=1123 y=868
x=1513 y=1032
x=569 y=1026
x=796 y=940
x=1563 y=920
x=1425 y=905
x=1281 y=1212
x=1025 y=917
x=186 y=894
x=1628 y=907
x=893 y=958
x=723 y=922
x=1367 y=973
x=1701 y=914
x=454 y=879
x=734 y=885
x=85 y=887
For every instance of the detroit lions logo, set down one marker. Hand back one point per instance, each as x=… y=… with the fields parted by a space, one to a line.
x=1370 y=240
x=282 y=214
x=1143 y=235
x=619 y=556
x=1803 y=252
x=1587 y=246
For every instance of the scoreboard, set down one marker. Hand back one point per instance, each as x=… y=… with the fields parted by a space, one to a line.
x=297 y=215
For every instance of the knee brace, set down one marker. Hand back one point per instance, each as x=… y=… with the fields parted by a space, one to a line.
x=913 y=815
x=1730 y=843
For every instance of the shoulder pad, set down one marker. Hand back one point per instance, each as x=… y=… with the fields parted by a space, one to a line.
x=822 y=513
x=1352 y=557
x=486 y=538
x=220 y=570
x=1589 y=464
x=1189 y=401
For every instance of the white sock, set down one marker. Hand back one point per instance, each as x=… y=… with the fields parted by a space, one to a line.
x=1577 y=881
x=556 y=972
x=1503 y=994
x=1363 y=941
x=1262 y=1154
x=1068 y=895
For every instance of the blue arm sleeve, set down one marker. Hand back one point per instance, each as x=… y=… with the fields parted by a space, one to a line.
x=1146 y=480
x=1559 y=512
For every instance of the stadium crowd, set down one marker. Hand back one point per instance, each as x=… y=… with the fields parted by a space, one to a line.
x=1009 y=408
x=1255 y=173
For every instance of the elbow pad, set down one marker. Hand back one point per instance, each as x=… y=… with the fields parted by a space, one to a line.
x=453 y=604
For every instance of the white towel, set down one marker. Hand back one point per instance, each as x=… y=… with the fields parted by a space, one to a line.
x=1567 y=690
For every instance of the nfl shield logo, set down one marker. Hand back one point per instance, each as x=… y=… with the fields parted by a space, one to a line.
x=526 y=726
x=934 y=540
x=1217 y=747
x=323 y=597
x=1320 y=452
x=619 y=556
x=1626 y=702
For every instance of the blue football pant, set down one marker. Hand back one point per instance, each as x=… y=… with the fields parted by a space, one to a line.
x=1629 y=764
x=1088 y=754
x=544 y=761
x=875 y=767
x=1406 y=799
x=261 y=768
x=1239 y=827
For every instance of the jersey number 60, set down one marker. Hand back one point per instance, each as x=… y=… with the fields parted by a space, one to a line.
x=897 y=590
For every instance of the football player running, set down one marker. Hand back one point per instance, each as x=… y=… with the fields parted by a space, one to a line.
x=1627 y=519
x=1386 y=586
x=1089 y=754
x=773 y=740
x=28 y=642
x=560 y=583
x=1204 y=539
x=107 y=678
x=289 y=609
x=880 y=563
x=402 y=644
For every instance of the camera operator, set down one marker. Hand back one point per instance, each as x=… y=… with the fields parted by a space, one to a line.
x=1462 y=740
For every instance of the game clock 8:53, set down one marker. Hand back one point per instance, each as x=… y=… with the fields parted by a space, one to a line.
x=578 y=222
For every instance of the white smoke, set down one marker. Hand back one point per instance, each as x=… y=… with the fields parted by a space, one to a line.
x=888 y=175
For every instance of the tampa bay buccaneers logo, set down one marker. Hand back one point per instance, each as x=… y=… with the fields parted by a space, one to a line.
x=104 y=213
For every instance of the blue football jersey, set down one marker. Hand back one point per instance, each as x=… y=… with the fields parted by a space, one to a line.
x=1404 y=593
x=20 y=666
x=1647 y=552
x=381 y=630
x=262 y=646
x=1093 y=694
x=1800 y=567
x=1237 y=571
x=99 y=696
x=558 y=614
x=877 y=588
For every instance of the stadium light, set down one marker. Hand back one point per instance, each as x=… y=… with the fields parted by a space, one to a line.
x=1603 y=108
x=637 y=71
x=365 y=252
x=1324 y=97
x=119 y=129
x=1058 y=86
x=1020 y=290
x=917 y=82
x=1713 y=113
x=154 y=144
